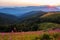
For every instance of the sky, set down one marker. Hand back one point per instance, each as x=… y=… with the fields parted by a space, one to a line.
x=29 y=2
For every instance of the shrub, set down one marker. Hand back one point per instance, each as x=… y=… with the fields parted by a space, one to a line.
x=48 y=26
x=56 y=35
x=44 y=37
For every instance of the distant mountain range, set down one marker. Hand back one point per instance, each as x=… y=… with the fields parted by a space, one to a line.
x=18 y=11
x=19 y=14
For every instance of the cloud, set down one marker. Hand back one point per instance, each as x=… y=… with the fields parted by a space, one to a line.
x=28 y=2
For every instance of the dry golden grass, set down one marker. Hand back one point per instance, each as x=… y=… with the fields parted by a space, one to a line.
x=50 y=13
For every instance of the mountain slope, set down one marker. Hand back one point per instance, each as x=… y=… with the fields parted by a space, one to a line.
x=7 y=19
x=31 y=21
x=32 y=15
x=51 y=17
x=51 y=13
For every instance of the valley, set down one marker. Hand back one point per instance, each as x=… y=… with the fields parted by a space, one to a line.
x=30 y=23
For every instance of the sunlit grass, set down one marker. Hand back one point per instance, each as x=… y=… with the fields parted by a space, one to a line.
x=26 y=35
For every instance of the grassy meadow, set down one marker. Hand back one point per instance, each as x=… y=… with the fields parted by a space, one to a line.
x=36 y=35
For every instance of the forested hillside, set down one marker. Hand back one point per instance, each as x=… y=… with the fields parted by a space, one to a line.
x=42 y=22
x=35 y=22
